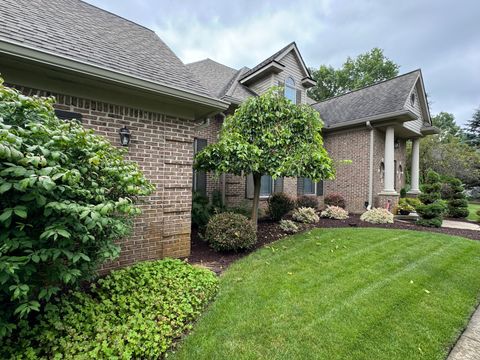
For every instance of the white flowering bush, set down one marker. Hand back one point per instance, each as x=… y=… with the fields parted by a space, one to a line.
x=335 y=212
x=377 y=216
x=289 y=226
x=305 y=215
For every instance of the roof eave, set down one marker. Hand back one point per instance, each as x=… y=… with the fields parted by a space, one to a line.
x=308 y=82
x=429 y=130
x=272 y=66
x=397 y=116
x=47 y=58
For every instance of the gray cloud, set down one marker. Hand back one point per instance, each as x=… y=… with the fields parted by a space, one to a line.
x=442 y=37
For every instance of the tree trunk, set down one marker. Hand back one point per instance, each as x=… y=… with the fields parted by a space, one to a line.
x=256 y=198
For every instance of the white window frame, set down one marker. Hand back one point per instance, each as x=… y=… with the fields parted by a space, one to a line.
x=272 y=188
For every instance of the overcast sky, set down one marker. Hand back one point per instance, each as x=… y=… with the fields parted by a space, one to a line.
x=440 y=37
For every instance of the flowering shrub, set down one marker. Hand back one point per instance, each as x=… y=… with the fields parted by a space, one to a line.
x=289 y=226
x=377 y=216
x=335 y=200
x=335 y=212
x=305 y=215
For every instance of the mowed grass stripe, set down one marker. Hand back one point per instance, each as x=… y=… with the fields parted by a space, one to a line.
x=356 y=302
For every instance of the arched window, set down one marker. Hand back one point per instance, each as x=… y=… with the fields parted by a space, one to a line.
x=290 y=92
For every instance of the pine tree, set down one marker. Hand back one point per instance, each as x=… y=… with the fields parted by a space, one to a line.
x=432 y=210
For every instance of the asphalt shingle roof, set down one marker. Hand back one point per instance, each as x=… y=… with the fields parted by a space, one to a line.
x=266 y=61
x=221 y=80
x=377 y=99
x=83 y=32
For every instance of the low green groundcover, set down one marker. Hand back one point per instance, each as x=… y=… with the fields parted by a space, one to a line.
x=135 y=312
x=342 y=294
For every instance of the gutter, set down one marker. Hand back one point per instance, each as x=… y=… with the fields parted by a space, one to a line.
x=376 y=118
x=370 y=165
x=48 y=58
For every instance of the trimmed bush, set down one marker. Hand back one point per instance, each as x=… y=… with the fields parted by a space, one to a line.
x=377 y=216
x=432 y=211
x=201 y=211
x=230 y=232
x=414 y=202
x=335 y=212
x=289 y=226
x=66 y=195
x=335 y=200
x=404 y=207
x=457 y=200
x=137 y=312
x=305 y=215
x=279 y=204
x=309 y=201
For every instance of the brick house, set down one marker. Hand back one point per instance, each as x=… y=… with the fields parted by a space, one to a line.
x=111 y=73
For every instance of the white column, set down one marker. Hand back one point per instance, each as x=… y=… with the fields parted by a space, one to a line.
x=415 y=166
x=389 y=185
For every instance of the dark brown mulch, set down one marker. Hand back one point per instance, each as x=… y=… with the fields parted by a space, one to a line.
x=269 y=231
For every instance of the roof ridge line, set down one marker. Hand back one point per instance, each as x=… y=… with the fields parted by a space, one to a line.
x=116 y=15
x=367 y=86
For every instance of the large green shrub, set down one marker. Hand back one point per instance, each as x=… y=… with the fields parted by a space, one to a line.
x=279 y=204
x=335 y=200
x=432 y=210
x=457 y=200
x=307 y=201
x=230 y=232
x=201 y=209
x=134 y=313
x=65 y=196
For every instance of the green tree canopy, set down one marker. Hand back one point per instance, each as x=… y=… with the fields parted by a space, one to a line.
x=364 y=70
x=446 y=123
x=473 y=129
x=269 y=135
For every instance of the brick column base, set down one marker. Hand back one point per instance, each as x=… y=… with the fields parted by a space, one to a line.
x=382 y=200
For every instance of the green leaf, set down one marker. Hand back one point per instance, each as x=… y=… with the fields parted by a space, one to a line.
x=20 y=211
x=6 y=215
x=5 y=187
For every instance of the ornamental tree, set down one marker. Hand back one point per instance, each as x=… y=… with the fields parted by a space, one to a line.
x=66 y=195
x=269 y=135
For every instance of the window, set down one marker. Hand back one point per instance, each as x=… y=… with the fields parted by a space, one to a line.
x=290 y=91
x=199 y=177
x=266 y=185
x=412 y=99
x=308 y=186
x=382 y=172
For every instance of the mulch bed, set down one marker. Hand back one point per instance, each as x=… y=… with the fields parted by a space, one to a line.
x=269 y=232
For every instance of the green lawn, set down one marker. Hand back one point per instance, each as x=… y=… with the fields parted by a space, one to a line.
x=342 y=294
x=473 y=208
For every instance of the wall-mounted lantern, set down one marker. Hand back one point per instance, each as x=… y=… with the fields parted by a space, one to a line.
x=124 y=136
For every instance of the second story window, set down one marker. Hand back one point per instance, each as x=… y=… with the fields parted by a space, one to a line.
x=290 y=91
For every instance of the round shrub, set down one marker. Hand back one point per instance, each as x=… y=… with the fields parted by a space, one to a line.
x=335 y=212
x=133 y=313
x=66 y=195
x=432 y=210
x=377 y=216
x=289 y=226
x=457 y=200
x=335 y=200
x=308 y=201
x=279 y=204
x=230 y=232
x=305 y=215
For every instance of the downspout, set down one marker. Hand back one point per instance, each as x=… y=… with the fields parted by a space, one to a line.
x=370 y=172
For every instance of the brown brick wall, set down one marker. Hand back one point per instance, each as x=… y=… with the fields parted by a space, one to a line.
x=163 y=148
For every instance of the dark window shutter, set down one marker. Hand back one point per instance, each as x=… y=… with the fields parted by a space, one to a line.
x=299 y=186
x=320 y=188
x=200 y=177
x=299 y=96
x=68 y=115
x=278 y=185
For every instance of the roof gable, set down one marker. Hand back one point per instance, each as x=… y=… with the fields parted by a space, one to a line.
x=379 y=99
x=273 y=63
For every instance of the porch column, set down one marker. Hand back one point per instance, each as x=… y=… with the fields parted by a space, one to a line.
x=415 y=188
x=389 y=185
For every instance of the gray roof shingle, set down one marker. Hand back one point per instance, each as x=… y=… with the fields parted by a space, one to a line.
x=266 y=61
x=221 y=80
x=83 y=32
x=374 y=100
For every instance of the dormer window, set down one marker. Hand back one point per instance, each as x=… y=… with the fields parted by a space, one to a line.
x=290 y=91
x=412 y=99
